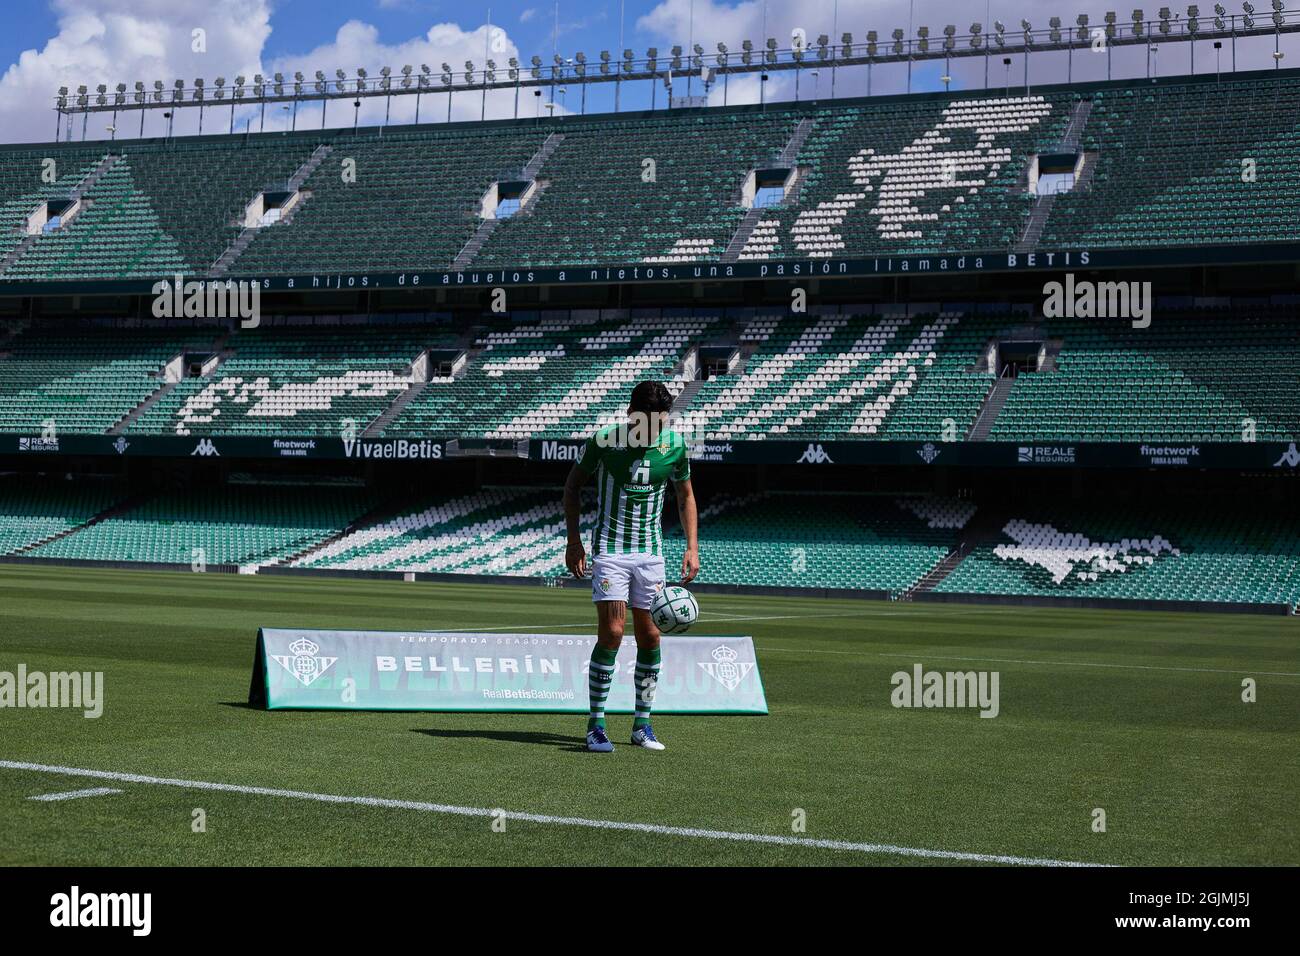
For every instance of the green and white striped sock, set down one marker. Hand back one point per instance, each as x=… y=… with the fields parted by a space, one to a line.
x=599 y=679
x=646 y=680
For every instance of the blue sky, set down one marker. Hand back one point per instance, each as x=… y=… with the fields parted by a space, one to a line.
x=48 y=43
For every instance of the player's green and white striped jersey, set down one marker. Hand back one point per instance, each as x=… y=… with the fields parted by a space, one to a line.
x=630 y=487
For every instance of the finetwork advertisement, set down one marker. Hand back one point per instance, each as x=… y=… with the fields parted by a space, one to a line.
x=464 y=671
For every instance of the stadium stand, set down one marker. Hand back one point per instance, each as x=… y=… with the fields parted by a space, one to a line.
x=1194 y=375
x=1157 y=167
x=1231 y=554
x=34 y=512
x=83 y=380
x=554 y=376
x=300 y=381
x=859 y=373
x=801 y=540
x=245 y=525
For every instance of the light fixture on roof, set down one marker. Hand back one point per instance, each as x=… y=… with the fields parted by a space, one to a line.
x=949 y=37
x=1054 y=25
x=898 y=42
x=976 y=38
x=872 y=40
x=924 y=34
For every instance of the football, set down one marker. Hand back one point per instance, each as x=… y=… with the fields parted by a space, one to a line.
x=675 y=610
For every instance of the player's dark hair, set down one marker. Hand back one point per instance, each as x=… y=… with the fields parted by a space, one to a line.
x=650 y=396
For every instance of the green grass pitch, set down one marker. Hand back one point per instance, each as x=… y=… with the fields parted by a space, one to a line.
x=1139 y=714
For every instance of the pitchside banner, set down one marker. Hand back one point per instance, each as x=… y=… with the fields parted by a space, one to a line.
x=505 y=673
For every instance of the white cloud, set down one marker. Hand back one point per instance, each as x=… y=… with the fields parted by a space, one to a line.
x=122 y=41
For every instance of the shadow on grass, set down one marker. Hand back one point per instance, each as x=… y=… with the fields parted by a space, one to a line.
x=569 y=742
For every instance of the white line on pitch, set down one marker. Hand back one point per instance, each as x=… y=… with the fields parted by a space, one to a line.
x=696 y=832
x=704 y=619
x=74 y=794
x=1009 y=660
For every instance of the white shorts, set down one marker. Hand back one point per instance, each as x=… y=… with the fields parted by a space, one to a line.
x=636 y=579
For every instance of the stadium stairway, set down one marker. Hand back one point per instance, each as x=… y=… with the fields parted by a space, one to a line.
x=126 y=421
x=389 y=415
x=475 y=243
x=248 y=234
x=77 y=193
x=789 y=153
x=1042 y=209
x=488 y=226
x=1036 y=223
x=686 y=396
x=122 y=507
x=988 y=414
x=984 y=526
x=1078 y=120
x=129 y=418
x=746 y=228
x=375 y=515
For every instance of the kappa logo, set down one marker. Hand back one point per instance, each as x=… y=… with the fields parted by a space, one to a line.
x=121 y=445
x=815 y=455
x=205 y=449
x=1290 y=457
x=928 y=452
x=725 y=669
x=304 y=665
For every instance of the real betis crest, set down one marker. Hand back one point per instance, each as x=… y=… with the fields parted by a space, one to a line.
x=725 y=670
x=304 y=665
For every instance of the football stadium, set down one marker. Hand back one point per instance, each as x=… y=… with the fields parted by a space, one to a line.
x=987 y=383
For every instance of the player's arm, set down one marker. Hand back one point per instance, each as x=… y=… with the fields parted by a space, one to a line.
x=575 y=555
x=691 y=527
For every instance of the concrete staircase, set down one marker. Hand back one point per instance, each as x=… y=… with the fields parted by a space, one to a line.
x=467 y=253
x=248 y=233
x=373 y=516
x=1078 y=120
x=989 y=411
x=1036 y=223
x=534 y=165
x=1042 y=209
x=789 y=153
x=130 y=504
x=984 y=525
x=317 y=157
x=129 y=419
x=78 y=192
x=742 y=234
x=487 y=226
x=376 y=428
x=685 y=397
